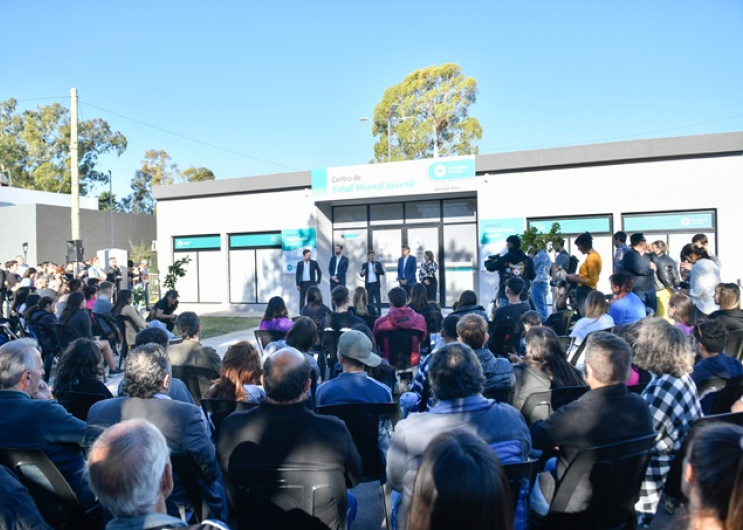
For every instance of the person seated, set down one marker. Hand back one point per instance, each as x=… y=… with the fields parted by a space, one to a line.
x=530 y=319
x=341 y=319
x=75 y=316
x=712 y=337
x=514 y=310
x=597 y=318
x=91 y=295
x=681 y=311
x=545 y=367
x=361 y=307
x=461 y=483
x=399 y=317
x=283 y=432
x=164 y=310
x=18 y=509
x=626 y=307
x=419 y=300
x=103 y=316
x=303 y=337
x=467 y=303
x=30 y=419
x=130 y=472
x=191 y=353
x=315 y=308
x=276 y=316
x=80 y=369
x=713 y=477
x=133 y=322
x=456 y=380
x=103 y=304
x=727 y=296
x=631 y=335
x=472 y=330
x=146 y=379
x=38 y=316
x=241 y=375
x=592 y=419
x=177 y=389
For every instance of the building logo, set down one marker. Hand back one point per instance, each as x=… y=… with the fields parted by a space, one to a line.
x=452 y=169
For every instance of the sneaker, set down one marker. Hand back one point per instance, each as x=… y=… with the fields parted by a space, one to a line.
x=115 y=371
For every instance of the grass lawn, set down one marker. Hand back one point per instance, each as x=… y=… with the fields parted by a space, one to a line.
x=215 y=326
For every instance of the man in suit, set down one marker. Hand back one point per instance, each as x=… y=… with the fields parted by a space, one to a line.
x=147 y=379
x=308 y=275
x=407 y=269
x=337 y=268
x=372 y=272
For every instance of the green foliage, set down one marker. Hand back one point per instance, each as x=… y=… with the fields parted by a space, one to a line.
x=194 y=174
x=104 y=204
x=138 y=295
x=437 y=100
x=175 y=271
x=533 y=239
x=35 y=147
x=140 y=251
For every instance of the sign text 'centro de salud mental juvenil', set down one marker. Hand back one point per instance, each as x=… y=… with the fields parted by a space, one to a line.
x=413 y=177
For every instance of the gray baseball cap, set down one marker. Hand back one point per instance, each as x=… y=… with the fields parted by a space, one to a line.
x=356 y=345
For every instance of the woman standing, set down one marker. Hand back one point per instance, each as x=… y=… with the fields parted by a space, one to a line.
x=588 y=274
x=133 y=322
x=427 y=275
x=704 y=277
x=667 y=275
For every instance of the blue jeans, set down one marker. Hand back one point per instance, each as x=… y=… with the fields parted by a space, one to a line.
x=650 y=299
x=539 y=292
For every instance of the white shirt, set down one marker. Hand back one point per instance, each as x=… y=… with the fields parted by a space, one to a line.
x=371 y=276
x=337 y=261
x=306 y=271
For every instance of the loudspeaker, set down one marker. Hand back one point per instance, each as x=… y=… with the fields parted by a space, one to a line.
x=75 y=251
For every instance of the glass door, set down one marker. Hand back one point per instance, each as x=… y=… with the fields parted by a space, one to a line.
x=423 y=238
x=386 y=244
x=354 y=243
x=460 y=250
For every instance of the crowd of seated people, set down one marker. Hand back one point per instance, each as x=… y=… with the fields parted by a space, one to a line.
x=462 y=419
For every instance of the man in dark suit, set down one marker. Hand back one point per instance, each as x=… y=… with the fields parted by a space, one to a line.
x=337 y=268
x=407 y=269
x=606 y=414
x=147 y=379
x=308 y=275
x=372 y=272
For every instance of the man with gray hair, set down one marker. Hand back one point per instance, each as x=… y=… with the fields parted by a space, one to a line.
x=456 y=379
x=30 y=419
x=130 y=472
x=283 y=432
x=190 y=352
x=147 y=379
x=608 y=413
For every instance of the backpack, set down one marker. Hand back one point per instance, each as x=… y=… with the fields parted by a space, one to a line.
x=573 y=267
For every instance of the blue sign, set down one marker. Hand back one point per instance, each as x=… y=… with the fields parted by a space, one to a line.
x=293 y=242
x=256 y=241
x=184 y=244
x=495 y=231
x=578 y=225
x=692 y=221
x=452 y=169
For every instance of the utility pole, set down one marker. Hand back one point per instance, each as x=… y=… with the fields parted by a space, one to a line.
x=111 y=205
x=75 y=191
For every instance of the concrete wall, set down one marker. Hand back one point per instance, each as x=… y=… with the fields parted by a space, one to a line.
x=18 y=225
x=18 y=196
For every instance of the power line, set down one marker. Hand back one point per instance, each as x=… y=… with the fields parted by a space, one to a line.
x=189 y=138
x=40 y=99
x=504 y=149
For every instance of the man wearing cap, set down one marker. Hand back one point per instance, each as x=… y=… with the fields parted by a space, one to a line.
x=638 y=263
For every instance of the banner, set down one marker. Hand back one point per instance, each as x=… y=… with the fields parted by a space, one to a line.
x=413 y=177
x=293 y=243
x=493 y=235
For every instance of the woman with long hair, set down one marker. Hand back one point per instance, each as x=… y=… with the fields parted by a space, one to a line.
x=597 y=318
x=75 y=316
x=703 y=278
x=589 y=272
x=460 y=484
x=671 y=394
x=361 y=307
x=38 y=316
x=79 y=370
x=681 y=311
x=667 y=275
x=276 y=316
x=241 y=375
x=727 y=296
x=626 y=307
x=91 y=295
x=164 y=310
x=427 y=275
x=545 y=366
x=713 y=477
x=133 y=321
x=315 y=308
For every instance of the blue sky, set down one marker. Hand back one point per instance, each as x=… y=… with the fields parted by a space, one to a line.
x=286 y=81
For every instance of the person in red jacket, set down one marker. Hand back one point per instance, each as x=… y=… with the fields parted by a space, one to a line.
x=399 y=317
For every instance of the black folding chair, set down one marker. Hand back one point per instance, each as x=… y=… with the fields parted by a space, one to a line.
x=433 y=324
x=735 y=344
x=196 y=378
x=57 y=503
x=599 y=489
x=264 y=337
x=573 y=359
x=520 y=478
x=188 y=474
x=401 y=346
x=540 y=405
x=330 y=340
x=121 y=322
x=218 y=409
x=49 y=345
x=271 y=498
x=362 y=420
x=560 y=321
x=66 y=335
x=79 y=403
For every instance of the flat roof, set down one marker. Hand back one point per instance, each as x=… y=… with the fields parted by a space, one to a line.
x=580 y=155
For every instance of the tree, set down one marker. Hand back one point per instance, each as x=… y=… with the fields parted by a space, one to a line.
x=534 y=239
x=436 y=100
x=107 y=202
x=35 y=147
x=193 y=174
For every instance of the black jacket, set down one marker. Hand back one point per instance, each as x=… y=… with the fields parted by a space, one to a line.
x=638 y=265
x=667 y=273
x=315 y=273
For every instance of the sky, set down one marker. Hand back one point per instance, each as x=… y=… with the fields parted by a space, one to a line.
x=279 y=86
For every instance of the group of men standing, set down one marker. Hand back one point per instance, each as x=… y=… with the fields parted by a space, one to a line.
x=308 y=274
